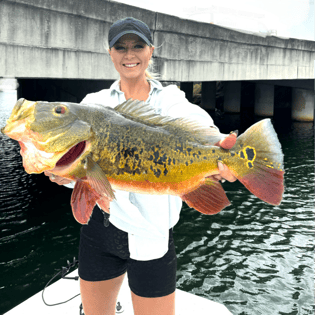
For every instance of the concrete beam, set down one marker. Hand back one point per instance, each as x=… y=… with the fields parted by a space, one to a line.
x=64 y=39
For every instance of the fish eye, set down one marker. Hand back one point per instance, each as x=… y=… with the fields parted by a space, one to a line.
x=60 y=109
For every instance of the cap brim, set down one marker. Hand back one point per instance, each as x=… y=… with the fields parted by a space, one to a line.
x=116 y=38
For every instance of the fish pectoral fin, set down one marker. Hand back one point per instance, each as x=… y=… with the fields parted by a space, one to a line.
x=103 y=203
x=83 y=200
x=209 y=198
x=98 y=180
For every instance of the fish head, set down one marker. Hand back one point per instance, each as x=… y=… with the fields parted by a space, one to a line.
x=50 y=134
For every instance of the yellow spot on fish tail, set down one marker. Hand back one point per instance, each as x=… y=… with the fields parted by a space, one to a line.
x=249 y=155
x=270 y=166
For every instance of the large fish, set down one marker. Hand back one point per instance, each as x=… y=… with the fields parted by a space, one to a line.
x=131 y=148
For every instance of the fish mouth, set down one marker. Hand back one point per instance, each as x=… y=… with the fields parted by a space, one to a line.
x=72 y=154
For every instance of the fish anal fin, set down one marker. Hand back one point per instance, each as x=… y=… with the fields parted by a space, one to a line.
x=209 y=198
x=83 y=200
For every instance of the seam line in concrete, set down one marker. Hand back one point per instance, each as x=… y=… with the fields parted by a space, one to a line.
x=53 y=48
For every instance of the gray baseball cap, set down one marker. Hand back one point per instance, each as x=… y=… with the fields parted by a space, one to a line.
x=129 y=25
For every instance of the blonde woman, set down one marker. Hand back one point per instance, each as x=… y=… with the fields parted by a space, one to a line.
x=136 y=237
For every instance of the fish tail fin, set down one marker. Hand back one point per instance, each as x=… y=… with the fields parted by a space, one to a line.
x=261 y=162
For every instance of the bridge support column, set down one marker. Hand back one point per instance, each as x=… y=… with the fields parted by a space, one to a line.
x=232 y=97
x=282 y=104
x=264 y=100
x=187 y=87
x=208 y=93
x=302 y=105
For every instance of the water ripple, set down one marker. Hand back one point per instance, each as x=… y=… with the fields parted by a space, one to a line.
x=252 y=257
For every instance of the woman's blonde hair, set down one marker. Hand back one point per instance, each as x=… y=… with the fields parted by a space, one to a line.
x=150 y=72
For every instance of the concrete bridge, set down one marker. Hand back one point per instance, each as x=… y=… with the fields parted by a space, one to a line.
x=56 y=51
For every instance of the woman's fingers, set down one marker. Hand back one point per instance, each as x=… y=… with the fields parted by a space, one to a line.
x=229 y=141
x=226 y=173
x=57 y=179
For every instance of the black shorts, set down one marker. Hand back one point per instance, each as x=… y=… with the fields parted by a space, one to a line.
x=104 y=255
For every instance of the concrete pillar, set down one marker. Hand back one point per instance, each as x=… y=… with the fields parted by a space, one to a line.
x=208 y=95
x=232 y=96
x=187 y=87
x=302 y=104
x=282 y=104
x=264 y=100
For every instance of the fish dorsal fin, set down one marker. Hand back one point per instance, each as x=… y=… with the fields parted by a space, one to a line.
x=144 y=113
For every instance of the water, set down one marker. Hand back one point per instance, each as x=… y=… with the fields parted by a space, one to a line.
x=252 y=257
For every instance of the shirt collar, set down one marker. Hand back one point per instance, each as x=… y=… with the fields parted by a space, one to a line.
x=153 y=83
x=115 y=88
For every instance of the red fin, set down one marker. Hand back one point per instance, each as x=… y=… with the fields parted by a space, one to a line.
x=97 y=179
x=266 y=183
x=209 y=198
x=104 y=204
x=258 y=162
x=83 y=200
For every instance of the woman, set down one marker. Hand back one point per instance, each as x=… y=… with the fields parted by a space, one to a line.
x=137 y=236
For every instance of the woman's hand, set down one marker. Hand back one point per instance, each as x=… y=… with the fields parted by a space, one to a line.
x=224 y=172
x=57 y=179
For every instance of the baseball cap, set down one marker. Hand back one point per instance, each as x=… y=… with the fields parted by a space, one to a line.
x=129 y=25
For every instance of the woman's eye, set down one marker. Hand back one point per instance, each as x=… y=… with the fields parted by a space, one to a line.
x=139 y=46
x=121 y=48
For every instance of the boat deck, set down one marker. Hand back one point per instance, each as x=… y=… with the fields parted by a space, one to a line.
x=64 y=289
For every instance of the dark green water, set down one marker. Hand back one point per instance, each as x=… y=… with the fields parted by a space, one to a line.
x=252 y=257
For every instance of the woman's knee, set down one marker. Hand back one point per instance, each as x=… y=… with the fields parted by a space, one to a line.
x=154 y=306
x=99 y=297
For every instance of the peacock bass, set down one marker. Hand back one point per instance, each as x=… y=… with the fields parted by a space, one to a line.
x=131 y=148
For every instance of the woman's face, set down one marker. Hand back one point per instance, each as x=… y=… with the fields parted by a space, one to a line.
x=131 y=56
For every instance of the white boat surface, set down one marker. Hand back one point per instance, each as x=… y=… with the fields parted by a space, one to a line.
x=64 y=289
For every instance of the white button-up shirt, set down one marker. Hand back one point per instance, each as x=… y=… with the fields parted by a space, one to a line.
x=148 y=218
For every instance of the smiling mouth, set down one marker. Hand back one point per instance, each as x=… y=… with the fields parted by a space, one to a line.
x=130 y=65
x=72 y=154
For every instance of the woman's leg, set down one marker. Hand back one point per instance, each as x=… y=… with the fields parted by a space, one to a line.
x=154 y=306
x=99 y=297
x=153 y=283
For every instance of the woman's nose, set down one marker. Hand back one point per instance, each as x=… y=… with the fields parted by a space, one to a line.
x=129 y=53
